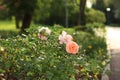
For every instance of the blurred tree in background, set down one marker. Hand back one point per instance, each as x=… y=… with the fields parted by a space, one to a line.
x=46 y=12
x=82 y=5
x=21 y=9
x=111 y=8
x=115 y=6
x=99 y=5
x=3 y=14
x=92 y=16
x=50 y=12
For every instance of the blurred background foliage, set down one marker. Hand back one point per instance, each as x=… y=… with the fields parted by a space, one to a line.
x=50 y=12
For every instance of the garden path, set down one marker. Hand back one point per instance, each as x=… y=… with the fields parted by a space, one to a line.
x=113 y=42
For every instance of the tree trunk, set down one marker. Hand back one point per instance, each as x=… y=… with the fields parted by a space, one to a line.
x=26 y=21
x=81 y=20
x=17 y=22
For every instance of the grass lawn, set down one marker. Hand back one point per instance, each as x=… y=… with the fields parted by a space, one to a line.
x=7 y=25
x=7 y=28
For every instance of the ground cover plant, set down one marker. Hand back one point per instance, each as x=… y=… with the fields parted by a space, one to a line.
x=53 y=53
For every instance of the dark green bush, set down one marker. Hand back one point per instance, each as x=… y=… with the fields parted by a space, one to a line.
x=93 y=15
x=91 y=28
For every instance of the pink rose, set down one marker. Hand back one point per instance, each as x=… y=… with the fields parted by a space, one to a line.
x=40 y=29
x=64 y=38
x=43 y=32
x=48 y=31
x=72 y=47
x=42 y=37
x=69 y=38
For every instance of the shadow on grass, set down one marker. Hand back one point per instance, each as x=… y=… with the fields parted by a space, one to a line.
x=8 y=33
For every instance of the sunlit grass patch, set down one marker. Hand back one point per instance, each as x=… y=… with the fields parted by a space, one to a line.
x=7 y=29
x=7 y=25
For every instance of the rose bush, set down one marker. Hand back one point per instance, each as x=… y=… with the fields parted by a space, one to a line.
x=32 y=57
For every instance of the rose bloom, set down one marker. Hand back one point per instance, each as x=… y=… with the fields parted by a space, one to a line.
x=61 y=39
x=40 y=29
x=42 y=37
x=72 y=47
x=68 y=38
x=47 y=30
x=65 y=38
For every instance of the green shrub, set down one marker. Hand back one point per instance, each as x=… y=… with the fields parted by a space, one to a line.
x=95 y=16
x=26 y=57
x=95 y=25
x=92 y=28
x=94 y=49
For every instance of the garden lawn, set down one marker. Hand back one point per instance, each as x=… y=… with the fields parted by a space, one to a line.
x=7 y=28
x=7 y=25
